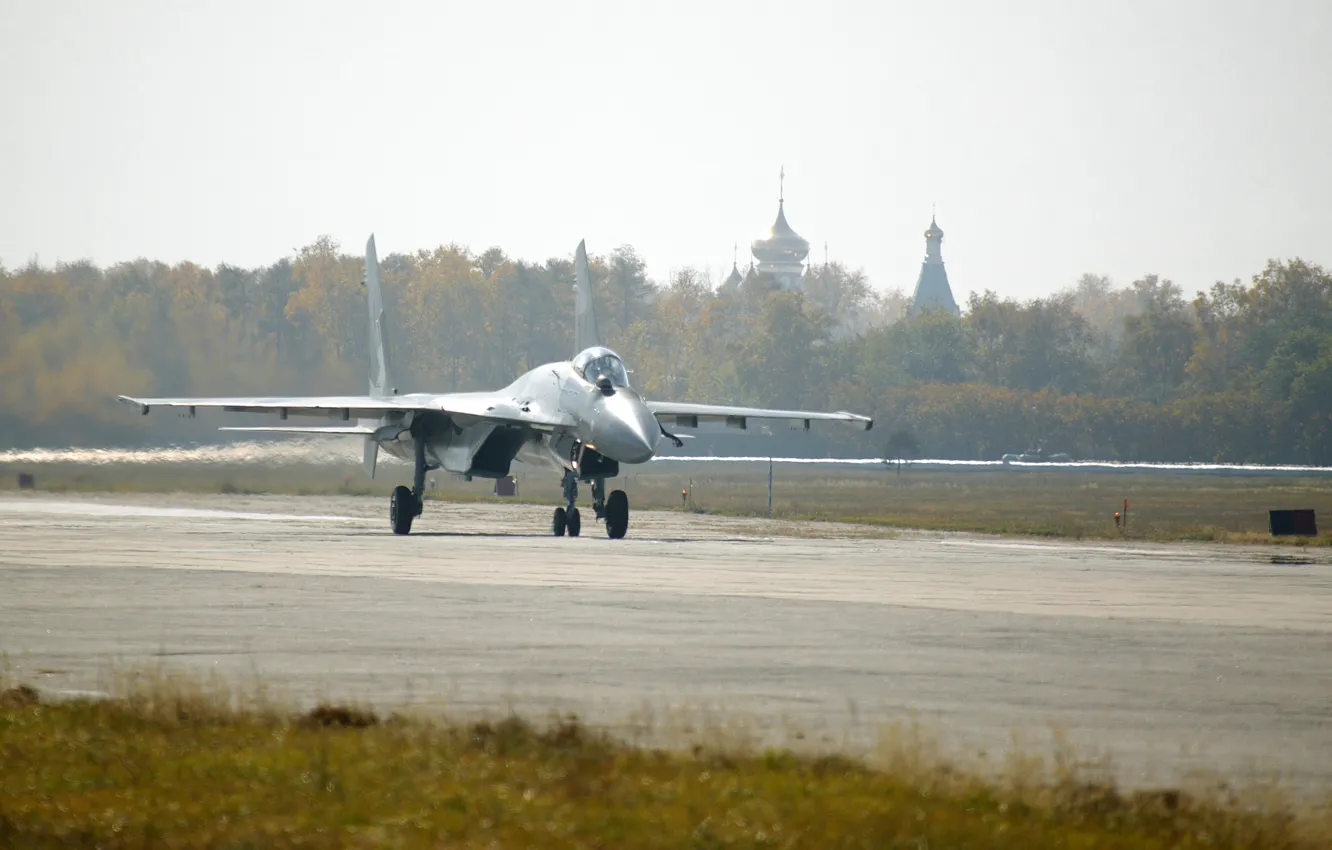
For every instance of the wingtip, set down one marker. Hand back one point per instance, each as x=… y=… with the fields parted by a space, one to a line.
x=856 y=417
x=143 y=408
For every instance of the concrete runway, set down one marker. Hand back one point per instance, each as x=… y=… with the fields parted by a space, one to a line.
x=1172 y=658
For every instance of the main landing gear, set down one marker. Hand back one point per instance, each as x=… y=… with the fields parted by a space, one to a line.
x=615 y=510
x=405 y=505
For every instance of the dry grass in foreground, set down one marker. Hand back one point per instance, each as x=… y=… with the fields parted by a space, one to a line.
x=177 y=766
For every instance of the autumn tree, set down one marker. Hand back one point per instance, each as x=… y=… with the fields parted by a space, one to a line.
x=626 y=293
x=780 y=362
x=1158 y=342
x=1242 y=372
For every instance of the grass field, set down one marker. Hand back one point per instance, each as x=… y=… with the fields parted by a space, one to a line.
x=1079 y=504
x=170 y=762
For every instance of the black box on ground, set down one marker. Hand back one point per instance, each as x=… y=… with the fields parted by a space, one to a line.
x=1292 y=523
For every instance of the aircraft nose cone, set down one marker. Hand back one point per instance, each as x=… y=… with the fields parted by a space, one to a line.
x=627 y=431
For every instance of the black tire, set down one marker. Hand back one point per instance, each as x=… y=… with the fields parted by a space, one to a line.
x=574 y=522
x=617 y=514
x=402 y=510
x=559 y=522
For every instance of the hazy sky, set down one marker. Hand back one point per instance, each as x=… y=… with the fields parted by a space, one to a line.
x=1192 y=138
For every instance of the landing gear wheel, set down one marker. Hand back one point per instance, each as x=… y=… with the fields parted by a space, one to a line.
x=574 y=522
x=617 y=514
x=402 y=510
x=559 y=522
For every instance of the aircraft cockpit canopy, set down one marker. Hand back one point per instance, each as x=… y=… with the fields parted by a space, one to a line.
x=595 y=363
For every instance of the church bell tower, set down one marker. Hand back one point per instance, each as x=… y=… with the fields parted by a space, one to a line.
x=932 y=289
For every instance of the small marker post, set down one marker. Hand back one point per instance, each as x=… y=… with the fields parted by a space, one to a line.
x=769 y=488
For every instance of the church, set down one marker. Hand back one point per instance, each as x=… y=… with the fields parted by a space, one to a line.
x=932 y=289
x=779 y=260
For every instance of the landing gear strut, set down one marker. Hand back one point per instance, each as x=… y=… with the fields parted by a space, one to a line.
x=599 y=497
x=405 y=505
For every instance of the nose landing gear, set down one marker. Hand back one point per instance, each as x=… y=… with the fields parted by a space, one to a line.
x=617 y=514
x=615 y=510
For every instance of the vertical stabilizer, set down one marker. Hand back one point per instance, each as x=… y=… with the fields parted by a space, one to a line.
x=585 y=315
x=377 y=346
x=381 y=381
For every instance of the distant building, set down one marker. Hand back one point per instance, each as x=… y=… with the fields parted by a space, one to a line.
x=734 y=278
x=781 y=256
x=932 y=289
x=779 y=263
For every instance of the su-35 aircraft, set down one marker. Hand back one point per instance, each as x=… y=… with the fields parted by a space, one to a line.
x=579 y=417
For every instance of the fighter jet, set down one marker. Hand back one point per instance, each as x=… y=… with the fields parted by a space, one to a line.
x=578 y=418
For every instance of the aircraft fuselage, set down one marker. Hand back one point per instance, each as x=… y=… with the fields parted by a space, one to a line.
x=607 y=425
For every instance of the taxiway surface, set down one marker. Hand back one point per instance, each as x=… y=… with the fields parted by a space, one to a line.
x=1170 y=657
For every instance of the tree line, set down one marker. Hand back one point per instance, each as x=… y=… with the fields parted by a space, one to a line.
x=1239 y=372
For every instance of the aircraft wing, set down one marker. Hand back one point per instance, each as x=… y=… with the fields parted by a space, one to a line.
x=688 y=415
x=491 y=407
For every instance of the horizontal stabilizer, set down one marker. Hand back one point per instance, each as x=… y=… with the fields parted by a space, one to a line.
x=353 y=430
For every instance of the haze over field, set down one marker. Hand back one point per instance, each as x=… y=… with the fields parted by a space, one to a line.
x=189 y=189
x=1119 y=137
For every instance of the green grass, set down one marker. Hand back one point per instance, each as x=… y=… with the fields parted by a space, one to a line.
x=1163 y=506
x=177 y=763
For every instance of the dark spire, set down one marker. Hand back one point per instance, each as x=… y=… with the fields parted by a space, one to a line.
x=734 y=277
x=933 y=291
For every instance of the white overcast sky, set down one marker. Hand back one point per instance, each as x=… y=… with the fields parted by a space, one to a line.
x=1191 y=138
